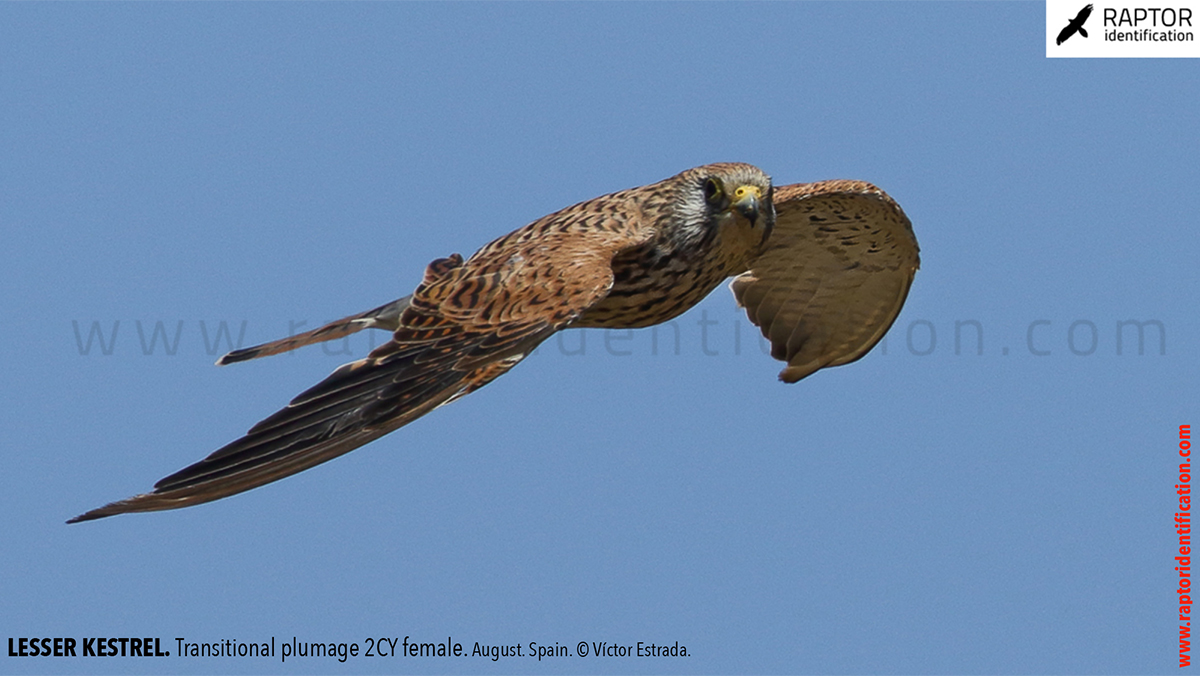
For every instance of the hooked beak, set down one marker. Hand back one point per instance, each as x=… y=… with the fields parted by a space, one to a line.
x=746 y=199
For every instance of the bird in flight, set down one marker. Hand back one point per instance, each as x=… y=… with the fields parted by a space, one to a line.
x=1076 y=24
x=821 y=268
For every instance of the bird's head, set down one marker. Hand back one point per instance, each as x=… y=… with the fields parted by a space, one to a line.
x=732 y=202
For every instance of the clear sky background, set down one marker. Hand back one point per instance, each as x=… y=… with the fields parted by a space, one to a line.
x=928 y=509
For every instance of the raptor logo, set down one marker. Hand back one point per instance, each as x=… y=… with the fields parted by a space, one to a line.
x=1076 y=25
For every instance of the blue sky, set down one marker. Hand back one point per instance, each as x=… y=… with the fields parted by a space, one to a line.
x=929 y=509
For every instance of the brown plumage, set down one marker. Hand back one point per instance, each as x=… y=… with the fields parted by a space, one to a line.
x=823 y=269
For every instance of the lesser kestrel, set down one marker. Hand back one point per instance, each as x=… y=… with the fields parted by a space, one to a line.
x=822 y=268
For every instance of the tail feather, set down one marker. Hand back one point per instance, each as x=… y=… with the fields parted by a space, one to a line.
x=385 y=317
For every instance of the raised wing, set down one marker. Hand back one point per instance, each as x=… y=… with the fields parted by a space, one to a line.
x=464 y=326
x=833 y=277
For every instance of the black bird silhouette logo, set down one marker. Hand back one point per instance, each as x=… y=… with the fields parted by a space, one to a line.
x=1076 y=25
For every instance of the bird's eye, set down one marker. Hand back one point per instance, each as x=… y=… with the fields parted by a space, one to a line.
x=713 y=191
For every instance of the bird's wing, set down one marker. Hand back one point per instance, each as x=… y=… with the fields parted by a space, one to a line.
x=834 y=274
x=1066 y=33
x=1083 y=15
x=465 y=325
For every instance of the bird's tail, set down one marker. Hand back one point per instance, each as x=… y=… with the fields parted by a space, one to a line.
x=383 y=317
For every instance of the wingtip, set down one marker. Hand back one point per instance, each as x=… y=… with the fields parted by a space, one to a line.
x=88 y=516
x=786 y=377
x=133 y=504
x=795 y=373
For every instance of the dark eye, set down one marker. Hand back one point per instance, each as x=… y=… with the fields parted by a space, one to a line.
x=713 y=192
